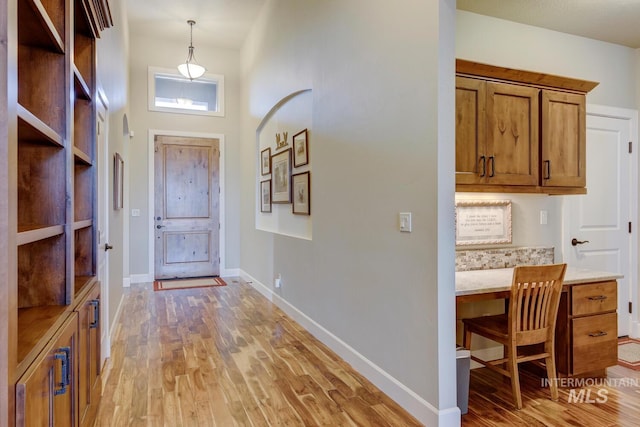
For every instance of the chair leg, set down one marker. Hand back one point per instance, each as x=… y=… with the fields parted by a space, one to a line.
x=466 y=338
x=550 y=362
x=512 y=365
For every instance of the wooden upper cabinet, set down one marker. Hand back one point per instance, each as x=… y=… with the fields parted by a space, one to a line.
x=512 y=134
x=519 y=131
x=496 y=133
x=470 y=131
x=563 y=139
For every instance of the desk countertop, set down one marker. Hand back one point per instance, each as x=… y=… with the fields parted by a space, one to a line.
x=498 y=280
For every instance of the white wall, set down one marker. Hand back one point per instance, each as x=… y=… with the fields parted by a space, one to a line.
x=112 y=76
x=145 y=52
x=383 y=86
x=509 y=44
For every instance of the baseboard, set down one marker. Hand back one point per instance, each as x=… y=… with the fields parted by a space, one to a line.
x=140 y=278
x=229 y=272
x=114 y=322
x=635 y=330
x=425 y=412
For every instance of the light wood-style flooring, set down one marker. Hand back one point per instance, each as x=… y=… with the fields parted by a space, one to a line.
x=225 y=356
x=601 y=405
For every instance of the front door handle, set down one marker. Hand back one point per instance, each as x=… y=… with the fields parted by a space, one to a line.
x=107 y=247
x=575 y=242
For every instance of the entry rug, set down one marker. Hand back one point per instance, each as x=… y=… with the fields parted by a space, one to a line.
x=202 y=282
x=629 y=353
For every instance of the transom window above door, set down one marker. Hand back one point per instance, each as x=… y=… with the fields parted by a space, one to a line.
x=170 y=92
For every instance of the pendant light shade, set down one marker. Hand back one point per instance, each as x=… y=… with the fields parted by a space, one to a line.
x=190 y=69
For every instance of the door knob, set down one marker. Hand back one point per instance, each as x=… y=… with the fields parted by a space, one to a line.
x=575 y=242
x=107 y=247
x=159 y=226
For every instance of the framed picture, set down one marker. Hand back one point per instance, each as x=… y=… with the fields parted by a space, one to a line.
x=265 y=196
x=118 y=182
x=300 y=184
x=265 y=161
x=483 y=222
x=300 y=149
x=281 y=176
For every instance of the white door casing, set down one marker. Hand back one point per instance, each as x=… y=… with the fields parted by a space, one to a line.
x=601 y=218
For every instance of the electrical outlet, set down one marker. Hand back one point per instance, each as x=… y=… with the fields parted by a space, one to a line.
x=277 y=283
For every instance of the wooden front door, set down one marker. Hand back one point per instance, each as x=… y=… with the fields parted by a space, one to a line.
x=187 y=195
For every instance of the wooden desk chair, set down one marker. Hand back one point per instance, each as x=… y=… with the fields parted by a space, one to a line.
x=531 y=319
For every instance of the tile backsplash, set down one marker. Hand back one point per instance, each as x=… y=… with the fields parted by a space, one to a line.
x=486 y=259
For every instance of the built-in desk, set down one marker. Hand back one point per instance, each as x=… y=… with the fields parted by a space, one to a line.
x=586 y=329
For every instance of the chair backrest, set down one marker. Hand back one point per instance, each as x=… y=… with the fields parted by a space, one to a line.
x=533 y=305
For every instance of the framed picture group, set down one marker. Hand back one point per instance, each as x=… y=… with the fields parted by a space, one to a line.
x=285 y=187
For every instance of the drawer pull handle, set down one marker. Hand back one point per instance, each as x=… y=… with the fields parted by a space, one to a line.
x=96 y=313
x=598 y=298
x=597 y=334
x=63 y=354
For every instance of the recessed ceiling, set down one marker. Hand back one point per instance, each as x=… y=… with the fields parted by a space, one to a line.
x=614 y=21
x=222 y=23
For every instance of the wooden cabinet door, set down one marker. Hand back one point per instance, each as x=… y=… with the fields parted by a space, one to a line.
x=512 y=134
x=46 y=393
x=89 y=384
x=563 y=139
x=470 y=131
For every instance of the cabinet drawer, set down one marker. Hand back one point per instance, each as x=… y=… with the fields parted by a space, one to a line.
x=595 y=342
x=594 y=298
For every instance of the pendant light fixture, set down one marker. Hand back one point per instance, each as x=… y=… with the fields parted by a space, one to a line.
x=190 y=69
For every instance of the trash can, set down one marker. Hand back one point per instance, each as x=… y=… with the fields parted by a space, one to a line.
x=463 y=362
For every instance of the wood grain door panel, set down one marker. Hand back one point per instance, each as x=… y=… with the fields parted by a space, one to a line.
x=512 y=134
x=187 y=207
x=41 y=399
x=470 y=131
x=187 y=247
x=563 y=139
x=89 y=382
x=594 y=342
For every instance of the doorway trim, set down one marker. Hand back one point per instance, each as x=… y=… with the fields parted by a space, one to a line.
x=151 y=192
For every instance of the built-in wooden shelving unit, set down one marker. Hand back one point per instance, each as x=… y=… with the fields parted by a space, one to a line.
x=53 y=174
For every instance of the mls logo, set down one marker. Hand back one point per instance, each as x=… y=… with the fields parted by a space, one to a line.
x=584 y=396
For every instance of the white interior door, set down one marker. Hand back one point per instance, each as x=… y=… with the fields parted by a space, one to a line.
x=599 y=220
x=102 y=159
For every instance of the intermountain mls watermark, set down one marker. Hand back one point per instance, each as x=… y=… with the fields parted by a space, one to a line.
x=591 y=390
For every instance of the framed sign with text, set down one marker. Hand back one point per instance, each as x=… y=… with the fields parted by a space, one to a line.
x=483 y=222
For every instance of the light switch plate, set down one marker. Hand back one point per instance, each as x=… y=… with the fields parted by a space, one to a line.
x=135 y=212
x=405 y=222
x=543 y=217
